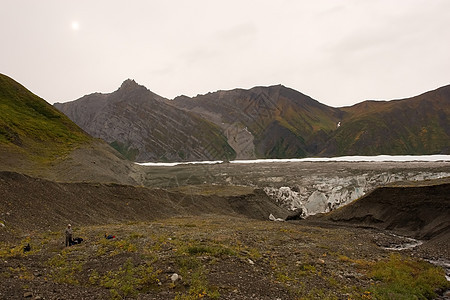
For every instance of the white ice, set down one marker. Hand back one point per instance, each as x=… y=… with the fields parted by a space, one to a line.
x=378 y=158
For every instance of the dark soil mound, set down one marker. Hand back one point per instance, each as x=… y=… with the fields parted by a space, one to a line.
x=29 y=204
x=422 y=212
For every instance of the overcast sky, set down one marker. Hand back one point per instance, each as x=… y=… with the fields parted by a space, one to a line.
x=337 y=52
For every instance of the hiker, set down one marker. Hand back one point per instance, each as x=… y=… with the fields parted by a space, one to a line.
x=69 y=235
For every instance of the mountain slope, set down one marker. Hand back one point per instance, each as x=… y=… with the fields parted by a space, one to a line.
x=280 y=121
x=418 y=125
x=143 y=127
x=262 y=122
x=33 y=128
x=37 y=139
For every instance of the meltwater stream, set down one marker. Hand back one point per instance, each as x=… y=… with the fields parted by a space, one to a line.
x=407 y=243
x=410 y=243
x=444 y=264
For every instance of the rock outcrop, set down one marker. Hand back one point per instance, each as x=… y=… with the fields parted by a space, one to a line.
x=241 y=140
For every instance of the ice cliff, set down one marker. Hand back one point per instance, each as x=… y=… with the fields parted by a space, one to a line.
x=319 y=194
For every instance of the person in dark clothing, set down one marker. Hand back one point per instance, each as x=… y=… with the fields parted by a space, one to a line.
x=68 y=235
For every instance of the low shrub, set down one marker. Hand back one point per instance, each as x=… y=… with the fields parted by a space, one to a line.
x=405 y=278
x=128 y=280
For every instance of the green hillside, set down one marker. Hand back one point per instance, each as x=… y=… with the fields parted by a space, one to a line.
x=416 y=126
x=31 y=127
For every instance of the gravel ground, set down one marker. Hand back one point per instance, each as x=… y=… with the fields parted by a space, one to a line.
x=222 y=257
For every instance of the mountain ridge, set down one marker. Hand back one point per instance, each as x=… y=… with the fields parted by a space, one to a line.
x=266 y=122
x=133 y=119
x=266 y=112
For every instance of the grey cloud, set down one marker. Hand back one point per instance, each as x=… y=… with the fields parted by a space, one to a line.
x=190 y=47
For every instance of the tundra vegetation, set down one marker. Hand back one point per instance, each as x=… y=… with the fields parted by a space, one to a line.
x=221 y=257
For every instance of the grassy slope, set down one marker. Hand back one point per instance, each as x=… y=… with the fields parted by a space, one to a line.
x=305 y=119
x=214 y=140
x=32 y=127
x=418 y=125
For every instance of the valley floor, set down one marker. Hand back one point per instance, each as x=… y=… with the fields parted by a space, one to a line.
x=217 y=238
x=216 y=257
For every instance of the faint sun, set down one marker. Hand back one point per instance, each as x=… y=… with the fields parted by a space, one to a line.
x=75 y=25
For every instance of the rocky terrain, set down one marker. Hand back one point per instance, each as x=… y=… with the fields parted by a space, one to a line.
x=262 y=122
x=205 y=231
x=322 y=194
x=217 y=237
x=175 y=245
x=143 y=127
x=313 y=187
x=418 y=211
x=26 y=199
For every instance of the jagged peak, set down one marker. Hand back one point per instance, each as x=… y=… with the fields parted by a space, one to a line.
x=129 y=84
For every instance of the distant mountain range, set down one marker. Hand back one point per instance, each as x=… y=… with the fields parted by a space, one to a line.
x=262 y=122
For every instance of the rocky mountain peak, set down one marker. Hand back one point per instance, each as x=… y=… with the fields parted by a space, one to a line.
x=130 y=84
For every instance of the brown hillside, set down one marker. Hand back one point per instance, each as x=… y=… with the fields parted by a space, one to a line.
x=30 y=204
